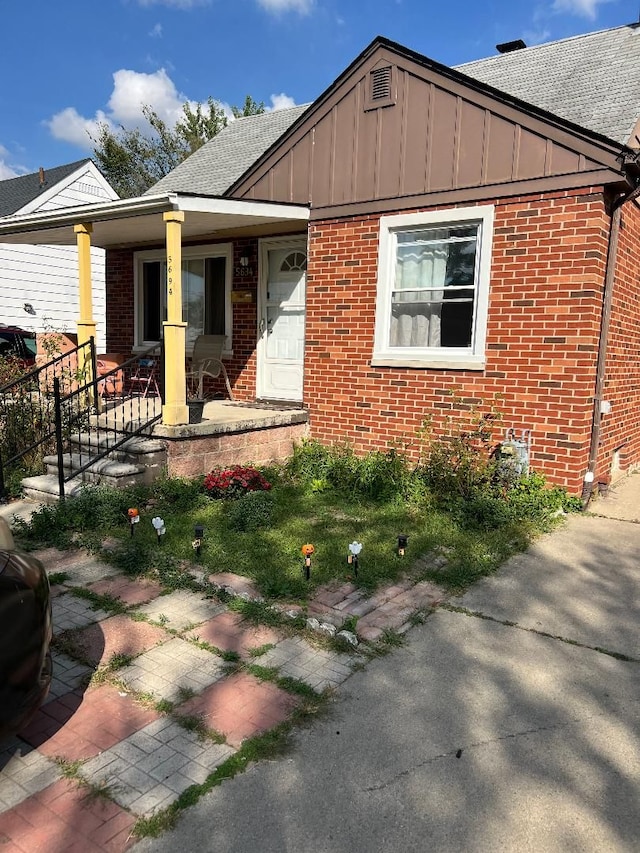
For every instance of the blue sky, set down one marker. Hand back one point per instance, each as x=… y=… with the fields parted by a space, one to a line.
x=70 y=63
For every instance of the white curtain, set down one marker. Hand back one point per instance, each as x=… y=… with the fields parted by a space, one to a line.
x=415 y=312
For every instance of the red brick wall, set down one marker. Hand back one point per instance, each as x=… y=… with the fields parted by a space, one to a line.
x=549 y=256
x=121 y=325
x=620 y=430
x=119 y=300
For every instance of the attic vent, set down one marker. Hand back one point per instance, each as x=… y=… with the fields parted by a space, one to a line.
x=380 y=88
x=381 y=83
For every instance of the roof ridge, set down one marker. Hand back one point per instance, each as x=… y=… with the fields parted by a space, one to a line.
x=535 y=47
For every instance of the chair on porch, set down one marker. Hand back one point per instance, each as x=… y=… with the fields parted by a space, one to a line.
x=207 y=361
x=145 y=377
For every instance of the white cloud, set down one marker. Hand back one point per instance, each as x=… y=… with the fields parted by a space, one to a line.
x=7 y=170
x=156 y=32
x=539 y=36
x=175 y=4
x=131 y=91
x=69 y=126
x=281 y=102
x=303 y=7
x=586 y=8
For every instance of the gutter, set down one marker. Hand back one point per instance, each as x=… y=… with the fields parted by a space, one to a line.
x=119 y=209
x=612 y=257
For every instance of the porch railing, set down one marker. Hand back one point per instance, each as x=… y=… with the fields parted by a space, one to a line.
x=78 y=414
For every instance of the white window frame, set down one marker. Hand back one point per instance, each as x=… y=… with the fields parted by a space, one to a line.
x=469 y=358
x=189 y=253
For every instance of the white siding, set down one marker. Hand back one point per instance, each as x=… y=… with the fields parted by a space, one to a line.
x=84 y=190
x=46 y=277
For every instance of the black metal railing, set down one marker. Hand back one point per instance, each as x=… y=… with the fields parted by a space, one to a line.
x=124 y=402
x=77 y=409
x=27 y=422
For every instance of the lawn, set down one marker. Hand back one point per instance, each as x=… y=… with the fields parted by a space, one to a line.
x=326 y=497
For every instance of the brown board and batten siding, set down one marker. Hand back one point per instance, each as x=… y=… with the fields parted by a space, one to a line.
x=443 y=139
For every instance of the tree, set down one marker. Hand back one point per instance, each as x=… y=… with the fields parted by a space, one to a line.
x=133 y=161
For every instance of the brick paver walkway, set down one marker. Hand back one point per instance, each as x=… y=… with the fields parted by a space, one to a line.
x=318 y=668
x=229 y=632
x=169 y=670
x=118 y=635
x=66 y=817
x=181 y=610
x=240 y=707
x=150 y=769
x=79 y=726
x=131 y=759
x=71 y=612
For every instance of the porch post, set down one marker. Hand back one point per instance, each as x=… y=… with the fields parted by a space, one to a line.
x=175 y=410
x=86 y=325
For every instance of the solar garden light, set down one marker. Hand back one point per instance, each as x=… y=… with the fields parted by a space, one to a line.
x=352 y=559
x=307 y=551
x=160 y=529
x=197 y=542
x=134 y=518
x=402 y=544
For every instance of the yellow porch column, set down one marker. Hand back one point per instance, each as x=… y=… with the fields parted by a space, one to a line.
x=86 y=324
x=175 y=410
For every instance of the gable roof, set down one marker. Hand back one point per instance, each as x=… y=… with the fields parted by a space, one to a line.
x=218 y=163
x=591 y=80
x=16 y=193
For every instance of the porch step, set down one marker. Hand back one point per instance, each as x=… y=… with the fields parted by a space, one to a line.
x=108 y=471
x=44 y=488
x=149 y=454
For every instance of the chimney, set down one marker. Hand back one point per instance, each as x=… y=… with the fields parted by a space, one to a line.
x=510 y=46
x=41 y=176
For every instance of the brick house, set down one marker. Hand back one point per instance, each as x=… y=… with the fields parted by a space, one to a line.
x=418 y=240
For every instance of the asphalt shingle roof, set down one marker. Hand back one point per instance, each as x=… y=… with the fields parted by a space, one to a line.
x=15 y=193
x=591 y=80
x=219 y=163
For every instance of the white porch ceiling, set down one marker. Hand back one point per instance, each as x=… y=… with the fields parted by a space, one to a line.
x=138 y=221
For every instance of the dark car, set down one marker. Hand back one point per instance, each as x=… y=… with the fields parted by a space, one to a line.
x=18 y=343
x=25 y=635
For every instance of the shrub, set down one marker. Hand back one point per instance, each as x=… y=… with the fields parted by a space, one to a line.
x=234 y=482
x=377 y=475
x=250 y=512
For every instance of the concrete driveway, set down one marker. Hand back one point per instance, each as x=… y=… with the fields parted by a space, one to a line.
x=483 y=733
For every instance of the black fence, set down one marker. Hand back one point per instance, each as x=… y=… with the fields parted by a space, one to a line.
x=79 y=408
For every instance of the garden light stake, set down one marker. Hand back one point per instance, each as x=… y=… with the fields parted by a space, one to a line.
x=307 y=551
x=352 y=559
x=134 y=518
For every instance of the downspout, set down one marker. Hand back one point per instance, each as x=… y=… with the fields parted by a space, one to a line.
x=612 y=257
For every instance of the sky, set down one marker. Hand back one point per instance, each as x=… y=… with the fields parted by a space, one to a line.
x=71 y=64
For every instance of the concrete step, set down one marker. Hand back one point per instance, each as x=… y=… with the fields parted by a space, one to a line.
x=107 y=471
x=44 y=488
x=138 y=445
x=149 y=454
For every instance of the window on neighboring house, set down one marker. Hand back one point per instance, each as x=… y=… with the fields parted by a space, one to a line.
x=433 y=288
x=206 y=293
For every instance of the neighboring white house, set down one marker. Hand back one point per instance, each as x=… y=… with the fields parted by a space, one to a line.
x=39 y=284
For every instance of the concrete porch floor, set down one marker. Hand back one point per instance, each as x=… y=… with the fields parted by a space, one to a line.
x=227 y=416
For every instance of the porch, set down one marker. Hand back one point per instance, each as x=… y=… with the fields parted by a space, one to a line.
x=232 y=433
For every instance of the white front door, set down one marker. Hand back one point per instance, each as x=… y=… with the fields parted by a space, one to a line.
x=281 y=320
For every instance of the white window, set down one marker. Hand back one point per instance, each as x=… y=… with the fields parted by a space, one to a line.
x=206 y=293
x=433 y=288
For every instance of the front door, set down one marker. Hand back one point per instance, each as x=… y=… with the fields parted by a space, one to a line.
x=281 y=320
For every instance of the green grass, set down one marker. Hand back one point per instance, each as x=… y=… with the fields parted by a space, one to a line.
x=477 y=533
